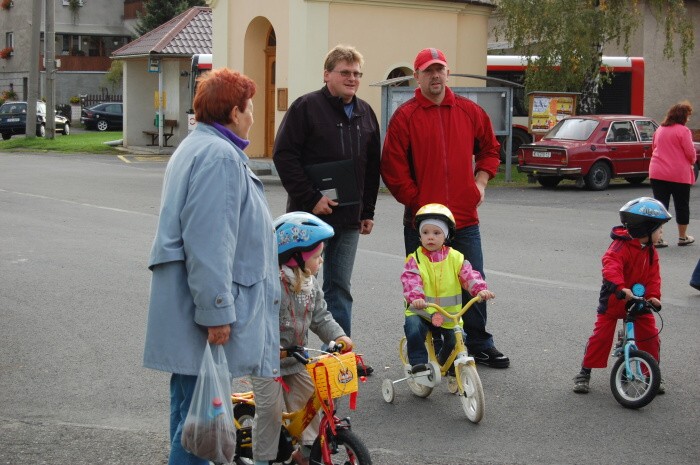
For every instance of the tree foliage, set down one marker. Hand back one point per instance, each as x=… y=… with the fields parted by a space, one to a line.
x=157 y=12
x=115 y=74
x=568 y=37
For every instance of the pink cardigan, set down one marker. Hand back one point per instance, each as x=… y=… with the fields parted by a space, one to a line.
x=673 y=155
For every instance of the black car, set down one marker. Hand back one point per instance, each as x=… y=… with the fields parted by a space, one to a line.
x=103 y=116
x=13 y=120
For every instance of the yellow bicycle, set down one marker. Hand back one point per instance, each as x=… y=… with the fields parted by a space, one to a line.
x=334 y=375
x=464 y=381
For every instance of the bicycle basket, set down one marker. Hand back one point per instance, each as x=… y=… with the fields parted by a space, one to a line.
x=334 y=373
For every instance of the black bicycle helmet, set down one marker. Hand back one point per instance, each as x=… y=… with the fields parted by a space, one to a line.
x=643 y=216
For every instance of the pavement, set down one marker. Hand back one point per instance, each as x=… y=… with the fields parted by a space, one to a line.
x=264 y=168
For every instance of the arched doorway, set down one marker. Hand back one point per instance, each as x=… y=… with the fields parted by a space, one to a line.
x=270 y=76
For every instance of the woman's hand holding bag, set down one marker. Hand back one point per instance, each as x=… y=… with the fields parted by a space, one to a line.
x=209 y=431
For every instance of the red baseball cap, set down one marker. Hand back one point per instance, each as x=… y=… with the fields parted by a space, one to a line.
x=427 y=57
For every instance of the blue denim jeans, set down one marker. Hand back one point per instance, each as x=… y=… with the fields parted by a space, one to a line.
x=338 y=262
x=695 y=278
x=416 y=328
x=468 y=242
x=181 y=390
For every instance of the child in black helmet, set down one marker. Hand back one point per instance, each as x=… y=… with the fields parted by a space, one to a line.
x=630 y=259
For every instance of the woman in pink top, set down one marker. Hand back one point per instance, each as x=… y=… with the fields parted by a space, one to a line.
x=671 y=167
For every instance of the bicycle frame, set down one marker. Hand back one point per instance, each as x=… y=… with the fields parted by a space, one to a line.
x=297 y=421
x=459 y=355
x=627 y=344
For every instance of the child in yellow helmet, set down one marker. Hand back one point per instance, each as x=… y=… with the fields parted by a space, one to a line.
x=435 y=273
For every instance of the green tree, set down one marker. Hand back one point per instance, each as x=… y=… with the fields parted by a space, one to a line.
x=115 y=75
x=157 y=12
x=568 y=38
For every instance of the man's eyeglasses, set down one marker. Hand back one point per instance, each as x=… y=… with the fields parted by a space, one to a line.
x=346 y=74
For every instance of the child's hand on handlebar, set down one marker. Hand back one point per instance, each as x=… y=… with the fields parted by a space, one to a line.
x=486 y=295
x=655 y=302
x=345 y=343
x=419 y=304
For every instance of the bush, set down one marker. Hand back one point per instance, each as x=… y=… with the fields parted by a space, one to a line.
x=74 y=99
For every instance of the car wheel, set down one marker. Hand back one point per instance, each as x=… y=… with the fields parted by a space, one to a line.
x=102 y=125
x=6 y=135
x=41 y=131
x=66 y=129
x=598 y=177
x=549 y=181
x=635 y=179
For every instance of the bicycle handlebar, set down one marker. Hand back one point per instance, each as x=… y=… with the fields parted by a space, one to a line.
x=300 y=352
x=455 y=316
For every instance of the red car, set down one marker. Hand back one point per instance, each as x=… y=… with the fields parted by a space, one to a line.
x=591 y=150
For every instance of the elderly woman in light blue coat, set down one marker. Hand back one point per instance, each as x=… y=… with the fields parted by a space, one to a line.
x=214 y=257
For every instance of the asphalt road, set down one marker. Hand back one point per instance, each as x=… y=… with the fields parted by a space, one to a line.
x=75 y=233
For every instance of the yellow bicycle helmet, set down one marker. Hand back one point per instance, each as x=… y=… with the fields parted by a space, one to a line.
x=439 y=212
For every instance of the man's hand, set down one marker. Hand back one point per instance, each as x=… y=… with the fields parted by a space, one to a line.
x=324 y=206
x=366 y=226
x=482 y=179
x=219 y=334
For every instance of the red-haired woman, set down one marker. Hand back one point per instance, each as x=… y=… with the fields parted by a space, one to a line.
x=671 y=167
x=214 y=258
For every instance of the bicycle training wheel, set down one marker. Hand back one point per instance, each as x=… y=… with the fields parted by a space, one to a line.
x=243 y=414
x=417 y=389
x=345 y=447
x=473 y=396
x=639 y=389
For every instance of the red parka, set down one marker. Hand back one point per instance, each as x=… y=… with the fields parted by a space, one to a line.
x=431 y=153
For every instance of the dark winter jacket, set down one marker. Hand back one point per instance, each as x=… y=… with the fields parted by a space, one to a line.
x=316 y=129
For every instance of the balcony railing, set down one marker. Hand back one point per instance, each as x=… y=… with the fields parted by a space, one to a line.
x=81 y=63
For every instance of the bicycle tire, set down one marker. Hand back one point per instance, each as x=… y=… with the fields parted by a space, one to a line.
x=346 y=449
x=636 y=393
x=473 y=396
x=243 y=414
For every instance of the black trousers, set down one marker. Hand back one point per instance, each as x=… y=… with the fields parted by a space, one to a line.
x=664 y=190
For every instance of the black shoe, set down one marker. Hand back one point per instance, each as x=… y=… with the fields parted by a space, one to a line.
x=695 y=285
x=419 y=368
x=364 y=370
x=491 y=357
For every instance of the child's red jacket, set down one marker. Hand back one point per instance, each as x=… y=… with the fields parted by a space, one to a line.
x=625 y=263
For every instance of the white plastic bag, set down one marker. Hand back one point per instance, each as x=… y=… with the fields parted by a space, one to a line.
x=209 y=431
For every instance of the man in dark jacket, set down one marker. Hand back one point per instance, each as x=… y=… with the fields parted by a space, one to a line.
x=329 y=125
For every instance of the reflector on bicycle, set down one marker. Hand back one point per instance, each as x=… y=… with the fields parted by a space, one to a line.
x=334 y=374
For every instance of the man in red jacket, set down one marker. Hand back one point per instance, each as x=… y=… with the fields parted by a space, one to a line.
x=440 y=148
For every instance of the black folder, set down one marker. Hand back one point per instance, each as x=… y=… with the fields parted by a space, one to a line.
x=336 y=180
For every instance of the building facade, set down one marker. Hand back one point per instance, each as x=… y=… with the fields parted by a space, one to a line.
x=86 y=34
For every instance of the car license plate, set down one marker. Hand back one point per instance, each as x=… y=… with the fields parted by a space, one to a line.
x=542 y=154
x=12 y=120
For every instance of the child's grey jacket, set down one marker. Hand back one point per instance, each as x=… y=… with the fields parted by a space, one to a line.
x=298 y=316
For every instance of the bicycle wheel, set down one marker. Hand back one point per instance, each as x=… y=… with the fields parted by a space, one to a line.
x=473 y=396
x=243 y=414
x=640 y=389
x=345 y=447
x=417 y=389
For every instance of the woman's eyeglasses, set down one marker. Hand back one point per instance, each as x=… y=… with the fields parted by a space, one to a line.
x=346 y=74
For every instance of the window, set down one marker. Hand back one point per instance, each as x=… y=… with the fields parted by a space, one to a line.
x=67 y=2
x=9 y=39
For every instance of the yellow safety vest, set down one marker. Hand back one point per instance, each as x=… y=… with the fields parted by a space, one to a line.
x=440 y=282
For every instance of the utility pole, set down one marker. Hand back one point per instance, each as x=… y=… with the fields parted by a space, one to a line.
x=50 y=65
x=34 y=53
